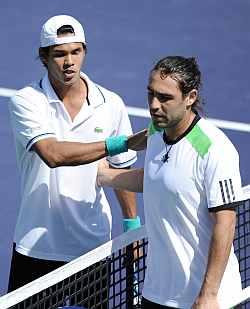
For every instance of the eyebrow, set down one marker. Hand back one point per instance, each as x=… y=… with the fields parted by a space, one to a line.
x=159 y=93
x=63 y=51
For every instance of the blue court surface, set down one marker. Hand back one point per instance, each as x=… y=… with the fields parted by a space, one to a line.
x=125 y=38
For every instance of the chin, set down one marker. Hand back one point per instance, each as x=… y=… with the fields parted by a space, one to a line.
x=160 y=125
x=69 y=82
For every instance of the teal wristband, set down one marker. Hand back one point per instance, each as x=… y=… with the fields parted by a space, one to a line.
x=116 y=144
x=131 y=224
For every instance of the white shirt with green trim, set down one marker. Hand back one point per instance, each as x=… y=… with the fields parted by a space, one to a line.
x=200 y=175
x=63 y=214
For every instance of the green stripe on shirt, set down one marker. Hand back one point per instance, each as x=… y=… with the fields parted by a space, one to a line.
x=199 y=140
x=152 y=129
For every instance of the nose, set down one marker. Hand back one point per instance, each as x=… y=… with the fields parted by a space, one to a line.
x=68 y=61
x=153 y=102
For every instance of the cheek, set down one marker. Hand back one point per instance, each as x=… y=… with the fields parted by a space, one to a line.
x=174 y=110
x=168 y=109
x=80 y=61
x=180 y=111
x=57 y=67
x=54 y=65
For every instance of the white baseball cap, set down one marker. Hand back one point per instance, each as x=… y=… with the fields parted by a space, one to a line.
x=49 y=30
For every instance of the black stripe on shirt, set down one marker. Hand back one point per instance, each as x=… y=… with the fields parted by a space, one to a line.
x=232 y=189
x=30 y=141
x=222 y=192
x=118 y=165
x=104 y=100
x=229 y=206
x=227 y=191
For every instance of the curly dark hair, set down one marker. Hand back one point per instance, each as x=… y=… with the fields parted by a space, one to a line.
x=185 y=71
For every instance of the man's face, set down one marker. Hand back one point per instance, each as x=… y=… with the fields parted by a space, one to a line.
x=167 y=105
x=64 y=63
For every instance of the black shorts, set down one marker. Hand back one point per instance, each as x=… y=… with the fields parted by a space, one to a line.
x=25 y=269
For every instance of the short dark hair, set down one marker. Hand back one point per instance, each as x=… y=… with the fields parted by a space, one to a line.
x=44 y=51
x=65 y=29
x=185 y=71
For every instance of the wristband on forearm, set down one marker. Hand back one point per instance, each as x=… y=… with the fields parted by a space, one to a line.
x=131 y=224
x=116 y=144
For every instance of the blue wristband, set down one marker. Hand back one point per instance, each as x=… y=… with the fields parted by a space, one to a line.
x=116 y=144
x=131 y=224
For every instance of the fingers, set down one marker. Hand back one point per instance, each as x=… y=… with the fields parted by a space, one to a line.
x=102 y=166
x=103 y=163
x=138 y=141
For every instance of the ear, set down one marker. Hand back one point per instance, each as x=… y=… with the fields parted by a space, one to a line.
x=191 y=98
x=43 y=54
x=44 y=61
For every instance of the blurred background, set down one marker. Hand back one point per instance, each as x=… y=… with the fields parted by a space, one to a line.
x=125 y=39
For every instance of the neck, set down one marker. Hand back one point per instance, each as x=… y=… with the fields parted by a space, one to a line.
x=65 y=91
x=176 y=131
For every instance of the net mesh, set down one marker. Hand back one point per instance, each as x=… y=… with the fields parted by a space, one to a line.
x=112 y=275
x=242 y=247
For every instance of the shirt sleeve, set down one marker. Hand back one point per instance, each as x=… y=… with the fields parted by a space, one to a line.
x=122 y=126
x=30 y=120
x=222 y=177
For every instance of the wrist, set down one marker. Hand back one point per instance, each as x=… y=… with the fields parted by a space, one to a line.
x=209 y=288
x=116 y=144
x=131 y=224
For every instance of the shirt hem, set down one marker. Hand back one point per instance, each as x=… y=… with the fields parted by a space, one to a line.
x=232 y=205
x=44 y=256
x=169 y=302
x=123 y=164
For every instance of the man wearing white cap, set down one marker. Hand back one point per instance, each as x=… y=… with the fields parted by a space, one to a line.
x=57 y=122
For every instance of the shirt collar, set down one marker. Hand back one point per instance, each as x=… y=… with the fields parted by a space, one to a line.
x=171 y=142
x=48 y=89
x=95 y=96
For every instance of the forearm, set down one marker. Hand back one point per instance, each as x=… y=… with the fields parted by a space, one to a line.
x=130 y=180
x=127 y=201
x=63 y=153
x=220 y=247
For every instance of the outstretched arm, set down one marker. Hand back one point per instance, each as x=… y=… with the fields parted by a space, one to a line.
x=62 y=153
x=123 y=179
x=59 y=153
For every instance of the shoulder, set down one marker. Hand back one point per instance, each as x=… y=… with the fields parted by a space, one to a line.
x=215 y=134
x=28 y=99
x=110 y=97
x=29 y=93
x=219 y=144
x=113 y=103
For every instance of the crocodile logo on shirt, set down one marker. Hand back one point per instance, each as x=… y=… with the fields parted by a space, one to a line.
x=98 y=130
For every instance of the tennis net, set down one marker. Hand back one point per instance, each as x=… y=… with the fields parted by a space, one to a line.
x=111 y=276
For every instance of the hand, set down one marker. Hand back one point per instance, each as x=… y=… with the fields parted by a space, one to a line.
x=103 y=167
x=138 y=141
x=206 y=302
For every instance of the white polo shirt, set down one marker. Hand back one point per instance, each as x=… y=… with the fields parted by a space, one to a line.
x=63 y=214
x=200 y=175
